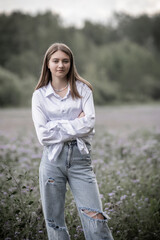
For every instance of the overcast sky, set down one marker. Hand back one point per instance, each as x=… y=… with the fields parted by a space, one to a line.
x=74 y=12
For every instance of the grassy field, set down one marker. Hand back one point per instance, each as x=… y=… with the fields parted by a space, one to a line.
x=126 y=160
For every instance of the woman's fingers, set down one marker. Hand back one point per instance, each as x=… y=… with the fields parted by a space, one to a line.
x=81 y=115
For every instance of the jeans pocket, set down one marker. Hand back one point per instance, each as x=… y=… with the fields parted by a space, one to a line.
x=79 y=158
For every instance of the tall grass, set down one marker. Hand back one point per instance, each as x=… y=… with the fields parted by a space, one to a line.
x=128 y=175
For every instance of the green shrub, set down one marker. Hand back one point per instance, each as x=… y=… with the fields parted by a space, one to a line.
x=15 y=91
x=10 y=89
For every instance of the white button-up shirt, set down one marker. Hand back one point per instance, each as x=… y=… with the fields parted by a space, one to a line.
x=56 y=119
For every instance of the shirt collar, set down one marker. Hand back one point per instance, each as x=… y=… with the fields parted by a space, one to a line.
x=50 y=90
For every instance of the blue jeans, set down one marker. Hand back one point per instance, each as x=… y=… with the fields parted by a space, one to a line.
x=74 y=168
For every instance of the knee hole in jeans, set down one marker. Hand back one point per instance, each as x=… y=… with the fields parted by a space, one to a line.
x=94 y=215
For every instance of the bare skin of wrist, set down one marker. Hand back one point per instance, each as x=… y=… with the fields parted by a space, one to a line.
x=81 y=115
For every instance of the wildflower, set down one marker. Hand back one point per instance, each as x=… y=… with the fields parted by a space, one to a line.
x=118 y=187
x=123 y=197
x=119 y=202
x=101 y=196
x=79 y=229
x=111 y=194
x=135 y=180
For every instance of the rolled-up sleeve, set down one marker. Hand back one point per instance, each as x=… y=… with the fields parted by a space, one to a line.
x=46 y=136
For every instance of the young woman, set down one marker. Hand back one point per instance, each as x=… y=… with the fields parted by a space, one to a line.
x=64 y=117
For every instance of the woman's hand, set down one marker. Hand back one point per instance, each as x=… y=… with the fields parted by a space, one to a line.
x=81 y=115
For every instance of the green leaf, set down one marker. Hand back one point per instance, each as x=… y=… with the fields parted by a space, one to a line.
x=14 y=192
x=17 y=211
x=9 y=178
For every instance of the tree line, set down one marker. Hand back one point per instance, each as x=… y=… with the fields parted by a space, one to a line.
x=120 y=59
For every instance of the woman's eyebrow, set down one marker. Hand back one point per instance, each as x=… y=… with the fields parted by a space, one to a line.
x=60 y=58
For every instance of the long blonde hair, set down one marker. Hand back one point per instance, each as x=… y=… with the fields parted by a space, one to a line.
x=72 y=75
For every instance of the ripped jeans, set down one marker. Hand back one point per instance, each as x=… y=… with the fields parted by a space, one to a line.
x=72 y=167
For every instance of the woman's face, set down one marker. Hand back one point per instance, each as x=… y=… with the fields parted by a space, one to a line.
x=59 y=64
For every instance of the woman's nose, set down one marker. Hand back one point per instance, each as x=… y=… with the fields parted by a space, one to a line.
x=60 y=64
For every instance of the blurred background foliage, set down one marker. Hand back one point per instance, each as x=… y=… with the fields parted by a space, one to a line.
x=121 y=59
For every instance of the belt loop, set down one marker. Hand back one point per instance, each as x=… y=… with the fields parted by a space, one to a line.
x=72 y=142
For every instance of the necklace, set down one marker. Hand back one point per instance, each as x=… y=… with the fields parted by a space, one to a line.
x=60 y=90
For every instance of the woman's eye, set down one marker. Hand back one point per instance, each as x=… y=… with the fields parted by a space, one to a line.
x=66 y=61
x=57 y=61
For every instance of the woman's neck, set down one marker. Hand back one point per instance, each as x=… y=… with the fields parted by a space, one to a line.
x=59 y=83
